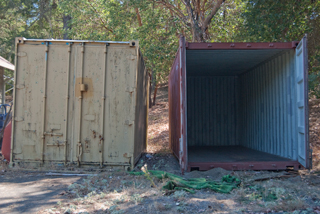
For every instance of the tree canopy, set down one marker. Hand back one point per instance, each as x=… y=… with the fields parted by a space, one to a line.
x=158 y=24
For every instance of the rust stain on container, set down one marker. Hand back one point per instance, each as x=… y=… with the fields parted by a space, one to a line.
x=89 y=87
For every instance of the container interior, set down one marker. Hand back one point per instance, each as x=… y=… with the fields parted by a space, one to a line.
x=240 y=105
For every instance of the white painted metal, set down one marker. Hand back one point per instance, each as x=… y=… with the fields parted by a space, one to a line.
x=301 y=72
x=6 y=64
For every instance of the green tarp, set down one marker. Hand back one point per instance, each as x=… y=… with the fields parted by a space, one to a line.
x=227 y=184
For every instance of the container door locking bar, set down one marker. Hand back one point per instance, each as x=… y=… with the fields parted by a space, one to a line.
x=83 y=88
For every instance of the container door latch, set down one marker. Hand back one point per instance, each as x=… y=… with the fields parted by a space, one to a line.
x=83 y=87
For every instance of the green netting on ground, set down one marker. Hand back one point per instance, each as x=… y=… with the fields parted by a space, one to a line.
x=227 y=184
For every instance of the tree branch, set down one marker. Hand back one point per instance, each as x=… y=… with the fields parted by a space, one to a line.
x=172 y=8
x=102 y=21
x=40 y=15
x=196 y=30
x=203 y=9
x=189 y=10
x=198 y=9
x=138 y=16
x=213 y=12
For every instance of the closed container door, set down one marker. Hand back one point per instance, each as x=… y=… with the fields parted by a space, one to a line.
x=120 y=105
x=183 y=154
x=28 y=108
x=40 y=102
x=104 y=115
x=56 y=92
x=301 y=75
x=89 y=97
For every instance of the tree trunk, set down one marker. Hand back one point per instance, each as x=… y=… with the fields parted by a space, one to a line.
x=156 y=86
x=199 y=23
x=155 y=94
x=150 y=90
x=66 y=26
x=197 y=34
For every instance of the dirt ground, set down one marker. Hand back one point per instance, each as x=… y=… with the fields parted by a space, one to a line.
x=314 y=131
x=158 y=127
x=23 y=192
x=117 y=192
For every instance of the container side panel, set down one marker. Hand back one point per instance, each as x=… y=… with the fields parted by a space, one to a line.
x=174 y=106
x=120 y=104
x=55 y=112
x=141 y=109
x=211 y=111
x=266 y=107
x=29 y=98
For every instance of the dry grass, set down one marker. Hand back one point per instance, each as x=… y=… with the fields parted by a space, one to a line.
x=295 y=193
x=118 y=192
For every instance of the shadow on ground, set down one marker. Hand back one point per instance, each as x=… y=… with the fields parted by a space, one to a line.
x=33 y=193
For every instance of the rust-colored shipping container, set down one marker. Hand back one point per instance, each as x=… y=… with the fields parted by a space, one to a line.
x=79 y=103
x=240 y=106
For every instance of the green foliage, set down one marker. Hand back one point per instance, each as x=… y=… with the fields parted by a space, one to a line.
x=314 y=87
x=157 y=25
x=118 y=21
x=275 y=20
x=148 y=175
x=280 y=21
x=27 y=18
x=226 y=24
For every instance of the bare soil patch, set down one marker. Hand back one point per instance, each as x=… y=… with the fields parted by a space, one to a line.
x=23 y=192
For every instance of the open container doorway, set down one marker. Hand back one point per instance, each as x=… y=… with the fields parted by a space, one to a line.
x=239 y=106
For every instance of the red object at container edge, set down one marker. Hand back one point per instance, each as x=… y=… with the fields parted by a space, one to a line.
x=6 y=142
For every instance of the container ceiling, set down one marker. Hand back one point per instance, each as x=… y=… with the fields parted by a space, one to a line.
x=226 y=62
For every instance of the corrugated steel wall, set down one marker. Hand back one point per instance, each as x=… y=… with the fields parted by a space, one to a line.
x=267 y=100
x=211 y=111
x=255 y=109
x=140 y=135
